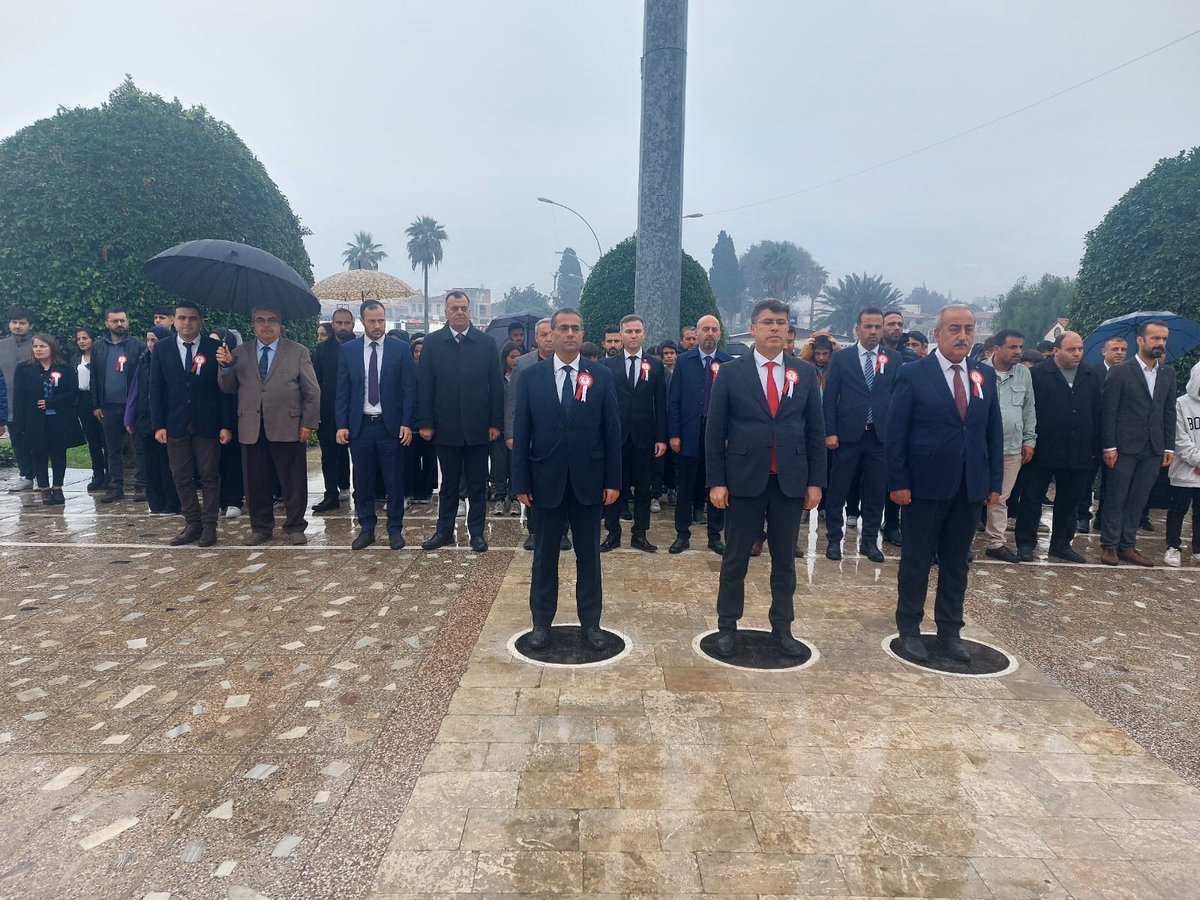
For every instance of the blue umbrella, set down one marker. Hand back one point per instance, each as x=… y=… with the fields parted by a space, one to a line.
x=233 y=277
x=1184 y=336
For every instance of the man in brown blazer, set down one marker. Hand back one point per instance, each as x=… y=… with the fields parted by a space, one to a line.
x=279 y=406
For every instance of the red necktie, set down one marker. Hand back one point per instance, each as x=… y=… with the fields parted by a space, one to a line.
x=960 y=391
x=772 y=402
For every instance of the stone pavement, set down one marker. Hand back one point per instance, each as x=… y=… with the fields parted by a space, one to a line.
x=304 y=722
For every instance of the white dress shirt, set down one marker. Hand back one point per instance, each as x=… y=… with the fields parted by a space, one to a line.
x=963 y=374
x=761 y=362
x=560 y=372
x=183 y=350
x=864 y=354
x=1150 y=373
x=368 y=408
x=637 y=371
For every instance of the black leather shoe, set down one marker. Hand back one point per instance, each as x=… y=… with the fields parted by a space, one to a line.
x=799 y=552
x=717 y=546
x=478 y=544
x=1146 y=525
x=726 y=643
x=626 y=515
x=327 y=504
x=1066 y=554
x=113 y=494
x=1084 y=526
x=914 y=648
x=871 y=552
x=834 y=552
x=640 y=543
x=528 y=545
x=594 y=637
x=892 y=536
x=438 y=540
x=539 y=637
x=1004 y=554
x=611 y=541
x=1025 y=554
x=189 y=535
x=396 y=540
x=364 y=540
x=954 y=648
x=564 y=543
x=681 y=543
x=788 y=645
x=208 y=536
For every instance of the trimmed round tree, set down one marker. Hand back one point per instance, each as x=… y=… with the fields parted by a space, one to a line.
x=608 y=293
x=1145 y=254
x=88 y=195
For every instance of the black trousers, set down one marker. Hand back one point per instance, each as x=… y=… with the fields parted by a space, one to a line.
x=1084 y=509
x=420 y=468
x=468 y=462
x=584 y=520
x=637 y=473
x=501 y=459
x=1183 y=499
x=160 y=487
x=264 y=462
x=377 y=455
x=113 y=425
x=1069 y=484
x=745 y=520
x=693 y=488
x=233 y=485
x=857 y=463
x=93 y=433
x=193 y=457
x=946 y=527
x=335 y=461
x=666 y=473
x=891 y=514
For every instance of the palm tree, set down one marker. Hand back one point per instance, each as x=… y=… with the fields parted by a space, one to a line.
x=852 y=293
x=814 y=283
x=781 y=269
x=363 y=252
x=425 y=236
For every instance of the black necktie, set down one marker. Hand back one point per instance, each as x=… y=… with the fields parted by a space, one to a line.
x=632 y=372
x=373 y=376
x=264 y=364
x=187 y=362
x=567 y=392
x=707 y=382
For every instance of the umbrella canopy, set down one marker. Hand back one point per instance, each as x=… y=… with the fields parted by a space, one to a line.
x=497 y=329
x=357 y=285
x=233 y=277
x=1184 y=336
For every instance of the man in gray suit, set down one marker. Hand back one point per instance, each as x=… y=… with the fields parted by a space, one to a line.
x=1137 y=434
x=279 y=407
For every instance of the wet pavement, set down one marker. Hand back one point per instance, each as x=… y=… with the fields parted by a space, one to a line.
x=309 y=722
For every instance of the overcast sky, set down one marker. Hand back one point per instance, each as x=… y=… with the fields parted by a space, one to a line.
x=368 y=114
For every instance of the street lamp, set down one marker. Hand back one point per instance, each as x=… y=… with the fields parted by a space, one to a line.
x=584 y=261
x=599 y=249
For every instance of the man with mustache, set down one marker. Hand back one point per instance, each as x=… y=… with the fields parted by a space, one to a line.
x=113 y=361
x=1137 y=434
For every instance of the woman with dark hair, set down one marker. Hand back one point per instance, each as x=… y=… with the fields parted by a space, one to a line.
x=161 y=496
x=81 y=362
x=420 y=460
x=502 y=497
x=45 y=406
x=324 y=332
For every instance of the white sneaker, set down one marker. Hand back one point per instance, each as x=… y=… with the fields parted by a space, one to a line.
x=655 y=506
x=1171 y=558
x=20 y=484
x=344 y=494
x=1196 y=558
x=233 y=512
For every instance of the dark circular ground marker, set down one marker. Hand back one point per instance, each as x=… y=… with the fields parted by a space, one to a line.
x=567 y=647
x=756 y=649
x=986 y=660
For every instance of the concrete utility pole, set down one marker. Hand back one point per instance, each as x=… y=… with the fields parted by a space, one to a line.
x=660 y=182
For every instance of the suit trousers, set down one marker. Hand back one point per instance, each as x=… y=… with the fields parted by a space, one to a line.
x=637 y=473
x=1090 y=489
x=378 y=455
x=862 y=463
x=945 y=527
x=693 y=488
x=501 y=458
x=335 y=461
x=1068 y=485
x=191 y=457
x=1130 y=482
x=584 y=520
x=262 y=463
x=745 y=520
x=995 y=517
x=469 y=462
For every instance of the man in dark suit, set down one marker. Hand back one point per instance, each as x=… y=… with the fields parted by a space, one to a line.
x=642 y=397
x=858 y=389
x=566 y=462
x=460 y=408
x=335 y=457
x=893 y=340
x=687 y=416
x=766 y=458
x=374 y=409
x=190 y=414
x=1112 y=354
x=1138 y=438
x=945 y=458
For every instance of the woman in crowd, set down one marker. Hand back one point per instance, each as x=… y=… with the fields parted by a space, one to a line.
x=233 y=487
x=510 y=352
x=161 y=496
x=420 y=462
x=81 y=362
x=1185 y=472
x=324 y=332
x=45 y=406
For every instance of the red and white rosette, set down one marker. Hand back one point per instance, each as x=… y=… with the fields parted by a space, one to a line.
x=645 y=370
x=881 y=362
x=55 y=378
x=121 y=360
x=582 y=383
x=792 y=377
x=977 y=383
x=714 y=367
x=198 y=363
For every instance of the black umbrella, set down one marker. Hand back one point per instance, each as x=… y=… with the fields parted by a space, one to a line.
x=233 y=277
x=497 y=329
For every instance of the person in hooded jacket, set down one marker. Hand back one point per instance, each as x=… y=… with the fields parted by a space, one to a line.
x=1185 y=472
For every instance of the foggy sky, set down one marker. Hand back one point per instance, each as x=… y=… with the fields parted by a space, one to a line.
x=370 y=114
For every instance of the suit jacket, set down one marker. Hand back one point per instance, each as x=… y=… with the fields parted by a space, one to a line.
x=740 y=431
x=1130 y=419
x=929 y=448
x=103 y=368
x=325 y=363
x=460 y=388
x=288 y=400
x=643 y=406
x=524 y=361
x=1068 y=419
x=181 y=400
x=847 y=397
x=685 y=399
x=397 y=385
x=550 y=445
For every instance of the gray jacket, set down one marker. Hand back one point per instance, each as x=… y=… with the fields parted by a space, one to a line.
x=524 y=361
x=1018 y=411
x=13 y=352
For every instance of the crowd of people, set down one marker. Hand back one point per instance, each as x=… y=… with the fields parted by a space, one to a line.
x=917 y=442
